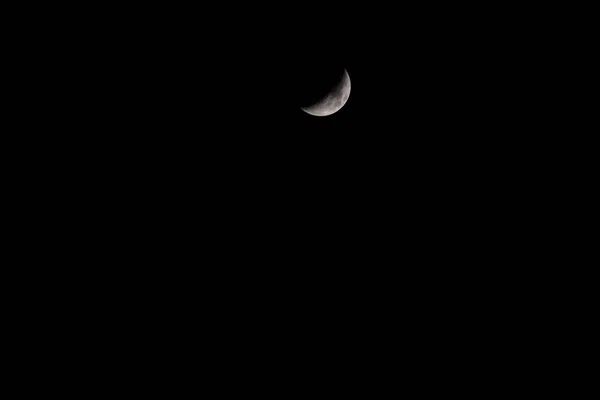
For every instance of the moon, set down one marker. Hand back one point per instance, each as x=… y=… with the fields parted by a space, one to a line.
x=333 y=101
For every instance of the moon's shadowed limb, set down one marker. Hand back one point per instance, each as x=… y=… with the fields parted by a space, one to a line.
x=333 y=101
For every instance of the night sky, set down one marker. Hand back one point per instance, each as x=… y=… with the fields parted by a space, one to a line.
x=432 y=129
x=194 y=154
x=188 y=162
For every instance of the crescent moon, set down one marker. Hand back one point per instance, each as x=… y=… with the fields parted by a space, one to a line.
x=333 y=101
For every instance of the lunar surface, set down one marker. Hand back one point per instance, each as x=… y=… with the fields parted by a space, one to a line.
x=333 y=101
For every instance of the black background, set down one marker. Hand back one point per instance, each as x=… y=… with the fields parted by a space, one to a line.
x=186 y=186
x=427 y=82
x=196 y=116
x=191 y=177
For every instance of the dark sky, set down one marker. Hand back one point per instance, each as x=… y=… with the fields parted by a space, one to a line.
x=193 y=135
x=414 y=69
x=420 y=77
x=191 y=145
x=434 y=120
